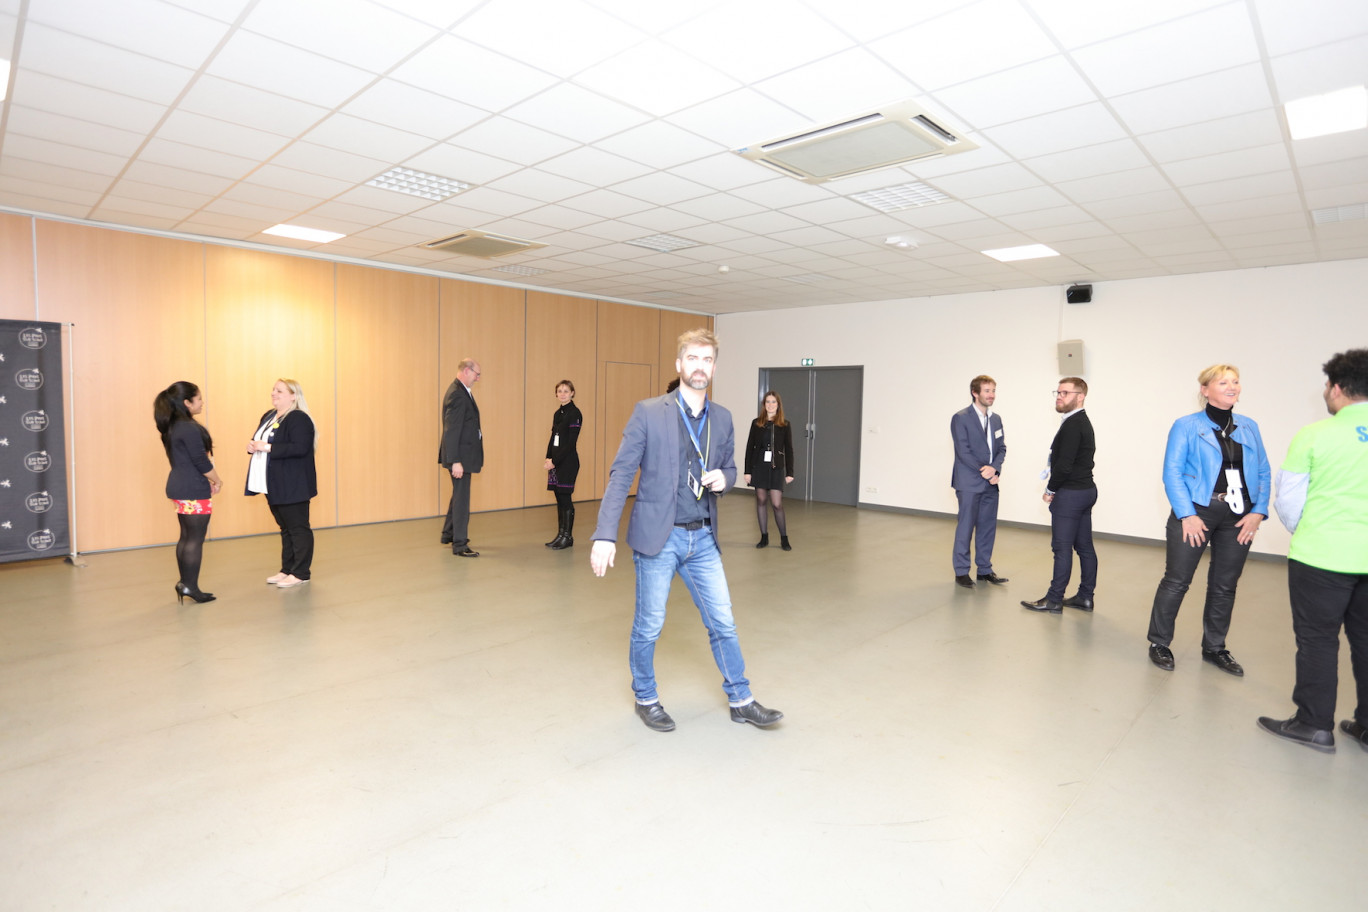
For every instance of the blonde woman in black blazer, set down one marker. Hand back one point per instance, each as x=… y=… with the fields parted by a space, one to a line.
x=769 y=466
x=282 y=468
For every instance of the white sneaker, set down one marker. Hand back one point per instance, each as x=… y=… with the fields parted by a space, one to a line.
x=272 y=580
x=289 y=582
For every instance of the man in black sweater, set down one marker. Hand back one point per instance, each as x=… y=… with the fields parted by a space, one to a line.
x=1070 y=492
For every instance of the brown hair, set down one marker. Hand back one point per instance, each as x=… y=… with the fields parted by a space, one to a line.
x=1078 y=382
x=779 y=419
x=977 y=383
x=700 y=336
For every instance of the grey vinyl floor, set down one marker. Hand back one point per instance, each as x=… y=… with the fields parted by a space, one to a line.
x=413 y=731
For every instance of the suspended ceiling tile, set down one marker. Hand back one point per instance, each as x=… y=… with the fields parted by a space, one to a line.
x=740 y=119
x=659 y=145
x=1240 y=188
x=1290 y=25
x=987 y=37
x=1090 y=161
x=250 y=107
x=656 y=78
x=369 y=139
x=146 y=27
x=506 y=29
x=25 y=121
x=62 y=154
x=355 y=32
x=593 y=166
x=1113 y=186
x=568 y=110
x=270 y=65
x=836 y=87
x=1205 y=42
x=1225 y=134
x=512 y=140
x=92 y=63
x=85 y=102
x=220 y=136
x=739 y=39
x=483 y=78
x=413 y=110
x=1202 y=98
x=334 y=163
x=1241 y=163
x=464 y=165
x=1085 y=125
x=1077 y=24
x=606 y=203
x=1020 y=93
x=1322 y=69
x=661 y=189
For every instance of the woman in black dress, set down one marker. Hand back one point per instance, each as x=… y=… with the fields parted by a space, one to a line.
x=282 y=468
x=562 y=463
x=769 y=465
x=192 y=481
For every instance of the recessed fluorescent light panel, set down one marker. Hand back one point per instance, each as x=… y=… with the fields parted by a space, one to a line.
x=876 y=139
x=1028 y=252
x=903 y=196
x=300 y=233
x=1333 y=112
x=416 y=183
x=663 y=243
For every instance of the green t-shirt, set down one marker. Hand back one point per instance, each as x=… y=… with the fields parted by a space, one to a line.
x=1333 y=532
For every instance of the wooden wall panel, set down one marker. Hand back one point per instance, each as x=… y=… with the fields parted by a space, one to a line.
x=487 y=323
x=268 y=316
x=16 y=268
x=561 y=343
x=137 y=303
x=386 y=425
x=626 y=335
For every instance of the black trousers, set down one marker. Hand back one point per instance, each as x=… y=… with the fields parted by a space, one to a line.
x=296 y=538
x=457 y=525
x=1070 y=531
x=1322 y=601
x=1227 y=563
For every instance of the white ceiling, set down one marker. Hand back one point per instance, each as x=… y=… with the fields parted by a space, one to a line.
x=1138 y=139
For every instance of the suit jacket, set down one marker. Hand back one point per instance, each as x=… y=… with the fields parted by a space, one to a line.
x=291 y=475
x=971 y=449
x=650 y=442
x=461 y=439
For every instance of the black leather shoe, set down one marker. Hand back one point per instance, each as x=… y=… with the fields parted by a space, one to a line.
x=1358 y=732
x=756 y=714
x=446 y=541
x=992 y=578
x=1044 y=605
x=466 y=552
x=965 y=581
x=1161 y=656
x=1224 y=661
x=1321 y=739
x=1081 y=602
x=655 y=717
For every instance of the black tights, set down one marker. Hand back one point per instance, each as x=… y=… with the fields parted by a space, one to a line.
x=776 y=500
x=190 y=548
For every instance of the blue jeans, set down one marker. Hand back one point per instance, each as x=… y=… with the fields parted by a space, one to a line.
x=694 y=556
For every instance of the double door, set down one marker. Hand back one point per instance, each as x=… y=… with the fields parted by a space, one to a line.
x=824 y=405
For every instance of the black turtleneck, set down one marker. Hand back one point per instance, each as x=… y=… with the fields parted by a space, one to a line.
x=1232 y=454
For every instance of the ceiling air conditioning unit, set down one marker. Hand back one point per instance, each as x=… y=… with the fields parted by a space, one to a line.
x=485 y=244
x=888 y=136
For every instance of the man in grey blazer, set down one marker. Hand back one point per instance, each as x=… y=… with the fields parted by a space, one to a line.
x=461 y=453
x=683 y=444
x=979 y=450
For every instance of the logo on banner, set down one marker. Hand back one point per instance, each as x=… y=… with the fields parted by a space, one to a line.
x=35 y=421
x=32 y=337
x=38 y=502
x=38 y=462
x=42 y=540
x=30 y=379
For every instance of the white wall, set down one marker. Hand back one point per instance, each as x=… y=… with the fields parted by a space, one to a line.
x=1145 y=340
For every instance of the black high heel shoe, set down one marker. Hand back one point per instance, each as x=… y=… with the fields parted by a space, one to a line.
x=183 y=590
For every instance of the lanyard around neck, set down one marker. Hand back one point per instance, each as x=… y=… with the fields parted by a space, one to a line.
x=693 y=434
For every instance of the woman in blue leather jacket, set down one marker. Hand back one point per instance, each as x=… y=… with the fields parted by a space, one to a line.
x=1218 y=481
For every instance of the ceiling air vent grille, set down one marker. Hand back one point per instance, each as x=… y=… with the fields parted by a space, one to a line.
x=485 y=244
x=893 y=135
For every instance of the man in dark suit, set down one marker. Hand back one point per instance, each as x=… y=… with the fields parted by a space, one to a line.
x=1071 y=494
x=461 y=453
x=979 y=451
x=683 y=444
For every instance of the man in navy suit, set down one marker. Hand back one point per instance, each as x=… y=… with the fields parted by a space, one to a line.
x=461 y=453
x=683 y=444
x=979 y=451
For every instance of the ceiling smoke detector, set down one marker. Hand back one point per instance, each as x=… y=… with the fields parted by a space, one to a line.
x=878 y=139
x=485 y=244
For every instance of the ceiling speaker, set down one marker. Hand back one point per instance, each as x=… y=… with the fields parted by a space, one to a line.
x=1078 y=294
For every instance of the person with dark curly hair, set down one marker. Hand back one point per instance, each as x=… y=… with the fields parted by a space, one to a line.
x=1323 y=501
x=193 y=480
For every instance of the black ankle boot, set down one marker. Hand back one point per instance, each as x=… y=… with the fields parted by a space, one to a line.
x=567 y=538
x=764 y=540
x=783 y=543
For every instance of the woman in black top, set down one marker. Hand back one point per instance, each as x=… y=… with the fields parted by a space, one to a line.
x=192 y=481
x=282 y=468
x=562 y=463
x=769 y=465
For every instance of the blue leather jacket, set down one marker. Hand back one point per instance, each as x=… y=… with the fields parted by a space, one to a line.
x=1192 y=461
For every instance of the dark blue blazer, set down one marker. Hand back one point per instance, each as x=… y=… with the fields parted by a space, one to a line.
x=971 y=449
x=650 y=442
x=461 y=438
x=291 y=476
